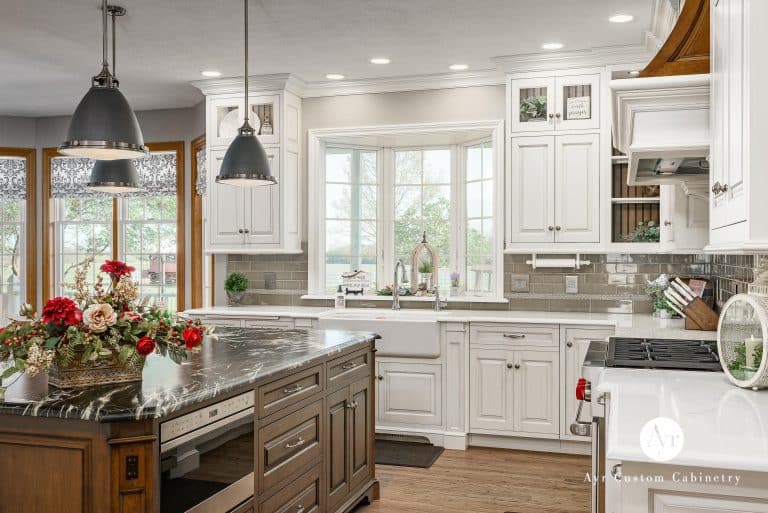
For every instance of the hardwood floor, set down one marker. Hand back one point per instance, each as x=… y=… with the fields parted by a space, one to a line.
x=483 y=480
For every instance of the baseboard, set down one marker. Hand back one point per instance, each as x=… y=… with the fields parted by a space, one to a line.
x=367 y=493
x=530 y=444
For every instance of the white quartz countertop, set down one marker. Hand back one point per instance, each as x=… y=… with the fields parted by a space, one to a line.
x=724 y=427
x=626 y=325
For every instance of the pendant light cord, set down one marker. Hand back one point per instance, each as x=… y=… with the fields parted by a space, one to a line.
x=114 y=45
x=104 y=59
x=245 y=107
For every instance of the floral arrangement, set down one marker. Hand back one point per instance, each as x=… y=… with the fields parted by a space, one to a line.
x=455 y=277
x=94 y=324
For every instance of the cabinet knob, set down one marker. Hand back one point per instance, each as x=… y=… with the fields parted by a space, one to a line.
x=240 y=231
x=667 y=223
x=551 y=115
x=557 y=115
x=557 y=228
x=569 y=344
x=509 y=366
x=517 y=366
x=550 y=228
x=246 y=231
x=380 y=377
x=719 y=188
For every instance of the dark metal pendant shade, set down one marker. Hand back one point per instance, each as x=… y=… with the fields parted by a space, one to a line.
x=104 y=127
x=246 y=163
x=114 y=177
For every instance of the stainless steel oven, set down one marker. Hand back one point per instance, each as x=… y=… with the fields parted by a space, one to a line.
x=207 y=458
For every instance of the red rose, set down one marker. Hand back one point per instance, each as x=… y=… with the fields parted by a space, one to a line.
x=62 y=311
x=116 y=268
x=145 y=345
x=193 y=337
x=131 y=316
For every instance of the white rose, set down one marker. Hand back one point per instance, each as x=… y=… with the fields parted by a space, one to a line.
x=98 y=317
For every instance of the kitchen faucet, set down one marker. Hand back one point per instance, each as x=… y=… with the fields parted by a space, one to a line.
x=396 y=285
x=439 y=304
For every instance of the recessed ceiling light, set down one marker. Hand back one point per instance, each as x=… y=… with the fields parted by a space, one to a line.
x=334 y=76
x=458 y=67
x=621 y=18
x=212 y=73
x=634 y=72
x=380 y=60
x=552 y=46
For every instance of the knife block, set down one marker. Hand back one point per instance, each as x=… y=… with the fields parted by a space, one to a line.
x=699 y=316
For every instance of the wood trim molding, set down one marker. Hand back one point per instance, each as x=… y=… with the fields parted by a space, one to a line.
x=47 y=222
x=178 y=147
x=196 y=218
x=30 y=228
x=686 y=50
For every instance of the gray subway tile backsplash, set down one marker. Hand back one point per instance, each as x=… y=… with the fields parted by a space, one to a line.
x=611 y=283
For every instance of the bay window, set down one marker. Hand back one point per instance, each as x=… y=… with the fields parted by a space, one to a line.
x=375 y=195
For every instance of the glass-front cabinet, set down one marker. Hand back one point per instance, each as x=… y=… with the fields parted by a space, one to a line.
x=555 y=103
x=227 y=118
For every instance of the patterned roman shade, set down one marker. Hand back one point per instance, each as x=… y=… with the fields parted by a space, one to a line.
x=13 y=178
x=202 y=173
x=157 y=176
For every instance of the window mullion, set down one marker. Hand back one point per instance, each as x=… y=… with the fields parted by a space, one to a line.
x=387 y=215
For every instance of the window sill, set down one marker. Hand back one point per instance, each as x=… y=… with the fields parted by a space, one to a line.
x=455 y=299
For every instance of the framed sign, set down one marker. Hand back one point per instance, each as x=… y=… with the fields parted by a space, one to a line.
x=579 y=107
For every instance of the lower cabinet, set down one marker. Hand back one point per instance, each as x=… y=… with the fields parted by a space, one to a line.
x=514 y=391
x=409 y=394
x=350 y=439
x=305 y=494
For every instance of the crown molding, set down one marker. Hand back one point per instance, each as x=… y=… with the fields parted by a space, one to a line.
x=256 y=84
x=407 y=83
x=595 y=57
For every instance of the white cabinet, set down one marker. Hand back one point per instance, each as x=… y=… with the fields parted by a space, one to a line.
x=575 y=342
x=555 y=189
x=240 y=216
x=738 y=181
x=261 y=219
x=570 y=102
x=514 y=391
x=684 y=219
x=409 y=394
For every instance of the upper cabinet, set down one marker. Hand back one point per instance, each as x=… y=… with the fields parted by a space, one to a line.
x=738 y=180
x=262 y=219
x=555 y=103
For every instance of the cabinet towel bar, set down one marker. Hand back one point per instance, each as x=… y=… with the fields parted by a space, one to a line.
x=575 y=263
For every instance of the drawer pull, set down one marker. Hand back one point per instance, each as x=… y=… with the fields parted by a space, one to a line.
x=297 y=443
x=293 y=389
x=300 y=509
x=352 y=405
x=514 y=335
x=347 y=366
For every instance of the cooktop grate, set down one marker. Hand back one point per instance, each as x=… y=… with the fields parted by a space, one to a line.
x=651 y=353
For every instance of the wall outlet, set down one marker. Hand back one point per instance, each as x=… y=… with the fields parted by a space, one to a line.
x=519 y=283
x=571 y=284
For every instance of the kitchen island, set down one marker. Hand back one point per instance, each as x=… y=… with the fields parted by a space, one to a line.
x=296 y=406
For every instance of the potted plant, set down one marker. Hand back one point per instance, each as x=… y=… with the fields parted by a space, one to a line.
x=425 y=274
x=235 y=285
x=533 y=108
x=96 y=336
x=645 y=232
x=455 y=279
x=655 y=290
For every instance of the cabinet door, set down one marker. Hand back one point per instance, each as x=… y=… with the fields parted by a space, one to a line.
x=410 y=394
x=490 y=400
x=533 y=184
x=536 y=392
x=577 y=102
x=262 y=209
x=684 y=219
x=225 y=117
x=226 y=212
x=576 y=342
x=532 y=104
x=337 y=448
x=360 y=433
x=577 y=188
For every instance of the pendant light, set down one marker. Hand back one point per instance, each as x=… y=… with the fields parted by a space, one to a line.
x=246 y=163
x=114 y=176
x=104 y=126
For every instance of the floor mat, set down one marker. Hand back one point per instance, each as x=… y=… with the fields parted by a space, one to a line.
x=406 y=454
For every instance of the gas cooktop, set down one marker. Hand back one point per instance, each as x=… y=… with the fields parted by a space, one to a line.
x=650 y=353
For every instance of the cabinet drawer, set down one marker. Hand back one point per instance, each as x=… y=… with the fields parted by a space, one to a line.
x=288 y=446
x=514 y=334
x=304 y=494
x=269 y=322
x=347 y=369
x=289 y=390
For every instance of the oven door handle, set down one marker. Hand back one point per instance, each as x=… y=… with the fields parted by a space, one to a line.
x=186 y=437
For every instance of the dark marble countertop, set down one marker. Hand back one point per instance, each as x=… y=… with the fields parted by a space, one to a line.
x=233 y=359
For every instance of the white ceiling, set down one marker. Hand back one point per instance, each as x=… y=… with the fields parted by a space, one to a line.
x=49 y=49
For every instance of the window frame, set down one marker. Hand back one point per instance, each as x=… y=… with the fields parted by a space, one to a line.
x=29 y=217
x=319 y=139
x=49 y=219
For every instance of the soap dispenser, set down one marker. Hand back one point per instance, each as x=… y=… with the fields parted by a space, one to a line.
x=341 y=299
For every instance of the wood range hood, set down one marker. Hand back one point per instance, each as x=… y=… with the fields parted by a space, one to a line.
x=661 y=119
